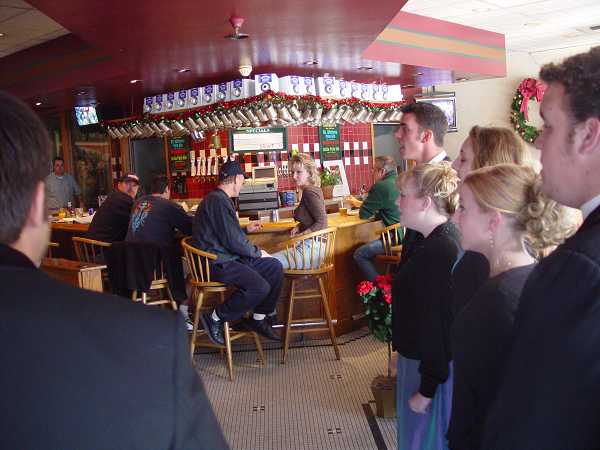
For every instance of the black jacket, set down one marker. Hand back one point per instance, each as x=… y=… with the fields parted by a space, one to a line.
x=216 y=229
x=422 y=306
x=112 y=218
x=469 y=273
x=83 y=370
x=550 y=397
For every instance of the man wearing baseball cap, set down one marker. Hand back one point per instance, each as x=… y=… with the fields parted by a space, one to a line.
x=112 y=218
x=257 y=276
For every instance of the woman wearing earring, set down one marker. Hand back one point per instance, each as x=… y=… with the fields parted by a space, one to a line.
x=422 y=307
x=501 y=208
x=485 y=146
x=310 y=213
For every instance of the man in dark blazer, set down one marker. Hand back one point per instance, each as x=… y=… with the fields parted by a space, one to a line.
x=550 y=398
x=81 y=370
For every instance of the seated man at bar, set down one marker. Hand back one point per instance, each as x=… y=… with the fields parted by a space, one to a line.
x=81 y=369
x=155 y=219
x=381 y=204
x=111 y=221
x=257 y=276
x=61 y=188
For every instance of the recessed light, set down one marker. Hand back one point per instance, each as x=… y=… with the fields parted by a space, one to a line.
x=364 y=68
x=38 y=103
x=408 y=85
x=2 y=34
x=418 y=74
x=134 y=81
x=311 y=62
x=183 y=70
x=462 y=79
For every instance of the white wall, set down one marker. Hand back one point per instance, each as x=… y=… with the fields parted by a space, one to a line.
x=487 y=102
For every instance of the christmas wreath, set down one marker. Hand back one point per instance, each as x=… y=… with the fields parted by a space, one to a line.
x=529 y=88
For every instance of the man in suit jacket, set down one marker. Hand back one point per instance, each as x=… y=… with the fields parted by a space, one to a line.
x=550 y=398
x=421 y=138
x=81 y=370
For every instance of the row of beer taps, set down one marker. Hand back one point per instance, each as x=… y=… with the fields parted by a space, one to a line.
x=205 y=168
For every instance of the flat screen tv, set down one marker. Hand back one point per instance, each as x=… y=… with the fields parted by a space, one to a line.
x=447 y=103
x=86 y=115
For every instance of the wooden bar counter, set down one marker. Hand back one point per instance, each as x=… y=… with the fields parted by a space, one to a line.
x=344 y=303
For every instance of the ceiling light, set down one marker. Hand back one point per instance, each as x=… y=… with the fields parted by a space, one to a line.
x=462 y=79
x=236 y=22
x=183 y=70
x=245 y=70
x=408 y=85
x=38 y=103
x=2 y=34
x=364 y=68
x=134 y=81
x=311 y=62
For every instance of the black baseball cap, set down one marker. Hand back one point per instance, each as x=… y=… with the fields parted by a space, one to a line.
x=230 y=169
x=129 y=178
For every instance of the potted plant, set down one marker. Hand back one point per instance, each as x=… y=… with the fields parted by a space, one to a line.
x=377 y=300
x=329 y=178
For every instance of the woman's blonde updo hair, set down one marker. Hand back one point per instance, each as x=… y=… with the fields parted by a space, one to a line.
x=309 y=164
x=438 y=181
x=495 y=145
x=515 y=191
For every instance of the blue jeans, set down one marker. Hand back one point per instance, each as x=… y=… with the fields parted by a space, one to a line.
x=317 y=256
x=364 y=256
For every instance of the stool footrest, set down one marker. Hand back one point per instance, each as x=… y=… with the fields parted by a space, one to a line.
x=308 y=330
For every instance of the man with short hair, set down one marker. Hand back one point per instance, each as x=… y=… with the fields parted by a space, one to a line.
x=257 y=276
x=61 y=188
x=421 y=133
x=81 y=369
x=550 y=396
x=381 y=204
x=111 y=221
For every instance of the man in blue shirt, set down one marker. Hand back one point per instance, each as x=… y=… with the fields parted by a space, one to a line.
x=61 y=188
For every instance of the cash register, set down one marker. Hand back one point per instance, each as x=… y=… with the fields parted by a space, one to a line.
x=259 y=192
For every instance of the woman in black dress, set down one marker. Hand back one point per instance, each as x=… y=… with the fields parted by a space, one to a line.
x=501 y=209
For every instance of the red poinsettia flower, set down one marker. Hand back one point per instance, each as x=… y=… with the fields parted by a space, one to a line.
x=383 y=280
x=387 y=297
x=364 y=287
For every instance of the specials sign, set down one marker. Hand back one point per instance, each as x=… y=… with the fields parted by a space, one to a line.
x=179 y=154
x=329 y=137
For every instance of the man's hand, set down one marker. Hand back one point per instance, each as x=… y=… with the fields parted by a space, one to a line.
x=356 y=203
x=264 y=254
x=419 y=403
x=253 y=226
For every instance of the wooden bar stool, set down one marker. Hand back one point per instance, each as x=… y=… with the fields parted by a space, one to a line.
x=198 y=262
x=51 y=245
x=92 y=251
x=391 y=237
x=158 y=284
x=315 y=263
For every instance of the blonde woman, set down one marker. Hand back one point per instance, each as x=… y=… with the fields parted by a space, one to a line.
x=422 y=307
x=501 y=210
x=310 y=213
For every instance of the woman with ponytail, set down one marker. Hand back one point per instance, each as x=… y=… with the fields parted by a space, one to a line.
x=422 y=307
x=504 y=216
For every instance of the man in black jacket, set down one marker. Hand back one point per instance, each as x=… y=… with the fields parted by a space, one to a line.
x=550 y=398
x=257 y=276
x=112 y=218
x=81 y=370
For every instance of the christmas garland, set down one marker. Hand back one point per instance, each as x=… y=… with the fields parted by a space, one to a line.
x=267 y=109
x=529 y=88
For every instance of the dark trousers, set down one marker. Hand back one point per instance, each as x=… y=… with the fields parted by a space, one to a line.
x=258 y=282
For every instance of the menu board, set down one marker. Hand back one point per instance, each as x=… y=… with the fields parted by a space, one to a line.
x=258 y=139
x=179 y=154
x=329 y=137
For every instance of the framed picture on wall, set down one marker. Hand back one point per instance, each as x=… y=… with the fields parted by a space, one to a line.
x=447 y=103
x=341 y=189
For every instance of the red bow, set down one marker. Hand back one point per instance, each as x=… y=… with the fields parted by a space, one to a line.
x=530 y=87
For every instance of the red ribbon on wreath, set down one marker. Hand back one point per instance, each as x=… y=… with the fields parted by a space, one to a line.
x=530 y=87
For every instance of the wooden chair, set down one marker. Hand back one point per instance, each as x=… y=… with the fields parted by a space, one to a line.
x=315 y=264
x=92 y=251
x=158 y=284
x=198 y=262
x=51 y=245
x=391 y=237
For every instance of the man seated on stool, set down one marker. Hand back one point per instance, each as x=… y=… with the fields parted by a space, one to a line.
x=154 y=219
x=111 y=221
x=381 y=203
x=257 y=276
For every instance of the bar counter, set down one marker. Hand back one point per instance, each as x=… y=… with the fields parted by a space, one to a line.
x=344 y=303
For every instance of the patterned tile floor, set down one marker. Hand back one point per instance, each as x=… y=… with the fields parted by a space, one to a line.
x=313 y=402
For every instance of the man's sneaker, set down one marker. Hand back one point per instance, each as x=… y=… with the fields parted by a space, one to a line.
x=213 y=328
x=263 y=328
x=189 y=324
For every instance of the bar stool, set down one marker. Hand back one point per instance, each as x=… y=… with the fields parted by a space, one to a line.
x=51 y=245
x=92 y=251
x=159 y=283
x=391 y=237
x=315 y=264
x=198 y=263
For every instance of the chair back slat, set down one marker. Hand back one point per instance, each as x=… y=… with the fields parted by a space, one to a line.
x=51 y=245
x=312 y=252
x=89 y=250
x=198 y=262
x=391 y=236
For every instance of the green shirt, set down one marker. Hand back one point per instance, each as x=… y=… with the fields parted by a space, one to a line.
x=381 y=201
